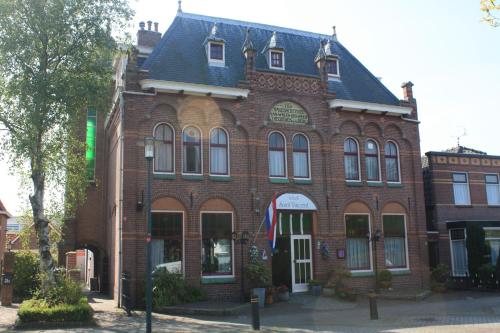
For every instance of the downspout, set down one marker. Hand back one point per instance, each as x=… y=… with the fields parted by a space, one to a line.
x=120 y=206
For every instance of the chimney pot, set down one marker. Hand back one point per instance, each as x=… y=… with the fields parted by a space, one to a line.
x=142 y=25
x=156 y=26
x=408 y=91
x=149 y=24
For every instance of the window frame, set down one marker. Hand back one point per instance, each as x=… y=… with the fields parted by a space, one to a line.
x=217 y=276
x=486 y=188
x=468 y=188
x=201 y=151
x=398 y=162
x=228 y=161
x=402 y=268
x=379 y=171
x=215 y=61
x=452 y=273
x=285 y=157
x=369 y=238
x=358 y=180
x=270 y=56
x=183 y=234
x=173 y=150
x=490 y=238
x=332 y=75
x=308 y=156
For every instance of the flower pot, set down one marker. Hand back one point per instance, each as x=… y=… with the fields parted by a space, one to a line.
x=261 y=293
x=329 y=292
x=315 y=290
x=284 y=296
x=385 y=284
x=269 y=299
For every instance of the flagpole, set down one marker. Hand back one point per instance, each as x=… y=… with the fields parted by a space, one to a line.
x=260 y=227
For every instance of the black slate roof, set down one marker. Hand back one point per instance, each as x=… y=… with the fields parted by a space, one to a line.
x=180 y=56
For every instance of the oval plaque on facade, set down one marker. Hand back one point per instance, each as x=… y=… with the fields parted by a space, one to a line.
x=288 y=113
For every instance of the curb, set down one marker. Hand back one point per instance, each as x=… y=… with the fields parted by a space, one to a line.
x=230 y=311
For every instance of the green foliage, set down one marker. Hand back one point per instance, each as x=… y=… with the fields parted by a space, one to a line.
x=385 y=275
x=313 y=283
x=440 y=273
x=337 y=276
x=258 y=274
x=63 y=291
x=171 y=289
x=487 y=275
x=488 y=7
x=37 y=310
x=26 y=274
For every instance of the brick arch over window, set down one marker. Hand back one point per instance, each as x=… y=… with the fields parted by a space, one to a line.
x=393 y=208
x=372 y=129
x=393 y=131
x=350 y=127
x=357 y=207
x=167 y=203
x=217 y=205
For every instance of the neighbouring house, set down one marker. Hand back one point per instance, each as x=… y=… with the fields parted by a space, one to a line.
x=462 y=195
x=4 y=216
x=21 y=237
x=247 y=116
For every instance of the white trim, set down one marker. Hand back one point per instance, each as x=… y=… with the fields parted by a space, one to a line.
x=210 y=153
x=282 y=59
x=407 y=267
x=359 y=159
x=400 y=176
x=369 y=243
x=194 y=89
x=201 y=152
x=309 y=177
x=369 y=107
x=216 y=62
x=285 y=158
x=334 y=77
x=232 y=275
x=466 y=252
x=173 y=150
x=183 y=265
x=299 y=287
x=453 y=187
x=486 y=188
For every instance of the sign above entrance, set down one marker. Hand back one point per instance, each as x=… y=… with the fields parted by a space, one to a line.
x=294 y=201
x=288 y=113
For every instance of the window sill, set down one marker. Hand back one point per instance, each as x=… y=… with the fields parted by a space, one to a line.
x=397 y=271
x=493 y=206
x=279 y=180
x=375 y=184
x=192 y=177
x=302 y=181
x=395 y=185
x=353 y=183
x=220 y=178
x=218 y=279
x=362 y=274
x=164 y=175
x=463 y=206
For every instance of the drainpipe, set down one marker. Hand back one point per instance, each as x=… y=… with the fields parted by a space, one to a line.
x=120 y=205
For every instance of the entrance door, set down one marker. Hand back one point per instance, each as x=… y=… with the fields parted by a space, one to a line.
x=301 y=262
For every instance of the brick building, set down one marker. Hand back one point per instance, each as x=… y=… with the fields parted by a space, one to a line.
x=4 y=216
x=240 y=112
x=462 y=197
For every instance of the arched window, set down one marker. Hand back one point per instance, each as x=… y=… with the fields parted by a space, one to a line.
x=371 y=160
x=300 y=156
x=164 y=148
x=392 y=162
x=277 y=159
x=191 y=141
x=219 y=161
x=351 y=159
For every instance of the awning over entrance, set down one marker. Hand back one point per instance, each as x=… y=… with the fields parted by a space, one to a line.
x=294 y=201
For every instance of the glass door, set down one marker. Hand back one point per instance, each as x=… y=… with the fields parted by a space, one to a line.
x=301 y=262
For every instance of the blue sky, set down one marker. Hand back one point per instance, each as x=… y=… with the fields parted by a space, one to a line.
x=441 y=46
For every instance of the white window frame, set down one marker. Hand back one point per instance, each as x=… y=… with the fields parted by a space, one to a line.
x=282 y=59
x=490 y=238
x=269 y=155
x=201 y=152
x=468 y=188
x=398 y=154
x=183 y=265
x=486 y=188
x=334 y=76
x=173 y=150
x=451 y=251
x=216 y=62
x=359 y=160
x=228 y=174
x=308 y=157
x=220 y=276
x=369 y=243
x=406 y=243
x=379 y=166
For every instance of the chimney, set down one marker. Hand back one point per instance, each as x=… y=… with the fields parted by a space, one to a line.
x=408 y=91
x=147 y=39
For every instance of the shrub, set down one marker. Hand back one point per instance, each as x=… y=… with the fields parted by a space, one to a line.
x=486 y=273
x=313 y=283
x=258 y=274
x=385 y=276
x=63 y=291
x=440 y=273
x=26 y=274
x=171 y=289
x=37 y=310
x=337 y=276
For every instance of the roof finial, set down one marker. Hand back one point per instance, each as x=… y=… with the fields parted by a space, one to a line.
x=334 y=36
x=179 y=9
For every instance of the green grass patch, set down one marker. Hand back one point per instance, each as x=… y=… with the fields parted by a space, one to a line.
x=37 y=310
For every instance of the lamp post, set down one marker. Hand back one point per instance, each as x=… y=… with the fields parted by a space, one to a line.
x=241 y=238
x=149 y=154
x=374 y=239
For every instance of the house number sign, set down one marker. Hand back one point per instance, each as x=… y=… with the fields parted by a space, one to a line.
x=288 y=113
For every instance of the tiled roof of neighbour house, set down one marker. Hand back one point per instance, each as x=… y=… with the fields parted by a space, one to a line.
x=3 y=211
x=464 y=150
x=180 y=56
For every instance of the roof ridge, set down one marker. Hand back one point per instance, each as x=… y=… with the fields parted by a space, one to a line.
x=254 y=25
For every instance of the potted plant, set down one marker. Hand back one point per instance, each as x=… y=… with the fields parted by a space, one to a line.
x=385 y=279
x=315 y=287
x=283 y=293
x=270 y=291
x=439 y=277
x=258 y=276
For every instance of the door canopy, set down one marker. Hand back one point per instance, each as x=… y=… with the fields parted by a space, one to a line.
x=294 y=201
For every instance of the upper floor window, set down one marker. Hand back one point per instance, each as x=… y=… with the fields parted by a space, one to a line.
x=332 y=67
x=492 y=189
x=277 y=59
x=164 y=148
x=300 y=156
x=371 y=159
x=392 y=162
x=191 y=142
x=351 y=159
x=219 y=161
x=277 y=158
x=216 y=51
x=461 y=189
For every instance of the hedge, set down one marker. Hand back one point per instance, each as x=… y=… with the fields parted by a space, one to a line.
x=35 y=310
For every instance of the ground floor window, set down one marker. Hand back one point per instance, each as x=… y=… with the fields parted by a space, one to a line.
x=166 y=241
x=458 y=252
x=394 y=241
x=357 y=242
x=492 y=238
x=217 y=249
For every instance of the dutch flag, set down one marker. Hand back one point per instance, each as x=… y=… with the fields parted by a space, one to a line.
x=271 y=222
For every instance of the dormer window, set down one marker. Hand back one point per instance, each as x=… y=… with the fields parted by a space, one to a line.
x=332 y=67
x=277 y=59
x=216 y=53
